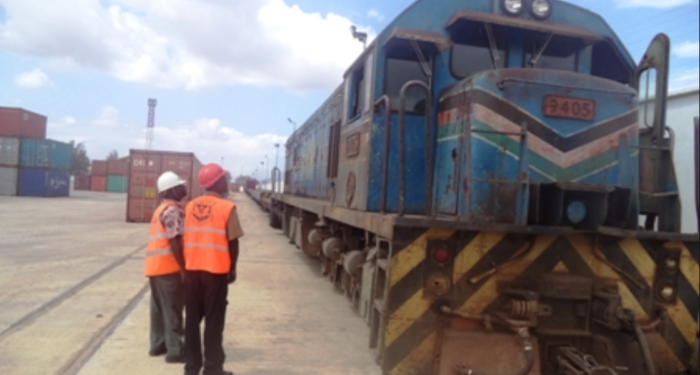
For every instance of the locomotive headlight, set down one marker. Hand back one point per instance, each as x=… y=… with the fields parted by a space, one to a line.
x=541 y=9
x=512 y=7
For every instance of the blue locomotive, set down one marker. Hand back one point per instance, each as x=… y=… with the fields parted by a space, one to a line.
x=476 y=187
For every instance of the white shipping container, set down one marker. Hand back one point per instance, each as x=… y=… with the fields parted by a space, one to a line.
x=9 y=151
x=8 y=181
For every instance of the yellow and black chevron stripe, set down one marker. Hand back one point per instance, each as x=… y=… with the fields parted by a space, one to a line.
x=411 y=333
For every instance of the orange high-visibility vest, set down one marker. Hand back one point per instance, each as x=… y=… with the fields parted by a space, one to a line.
x=159 y=255
x=206 y=240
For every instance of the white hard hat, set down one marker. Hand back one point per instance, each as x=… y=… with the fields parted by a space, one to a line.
x=169 y=180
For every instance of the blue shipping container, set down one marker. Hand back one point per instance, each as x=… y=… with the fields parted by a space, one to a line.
x=45 y=153
x=39 y=182
x=61 y=155
x=35 y=153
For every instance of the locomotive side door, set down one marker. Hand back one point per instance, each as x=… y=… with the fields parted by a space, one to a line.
x=658 y=188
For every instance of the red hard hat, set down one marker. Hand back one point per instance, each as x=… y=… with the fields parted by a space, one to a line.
x=209 y=174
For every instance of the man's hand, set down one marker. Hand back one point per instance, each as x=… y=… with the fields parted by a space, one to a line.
x=232 y=277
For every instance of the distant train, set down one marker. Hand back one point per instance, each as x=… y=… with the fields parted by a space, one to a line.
x=475 y=187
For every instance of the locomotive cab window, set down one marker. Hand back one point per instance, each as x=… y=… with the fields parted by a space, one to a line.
x=403 y=64
x=478 y=47
x=606 y=63
x=357 y=93
x=548 y=51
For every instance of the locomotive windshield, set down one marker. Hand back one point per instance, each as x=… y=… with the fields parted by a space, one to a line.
x=480 y=46
x=548 y=51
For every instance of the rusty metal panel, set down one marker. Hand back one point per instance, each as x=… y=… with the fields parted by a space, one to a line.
x=18 y=122
x=144 y=169
x=98 y=183
x=485 y=353
x=118 y=167
x=99 y=168
x=81 y=182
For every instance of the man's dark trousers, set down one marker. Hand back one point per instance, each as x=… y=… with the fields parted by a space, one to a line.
x=167 y=298
x=205 y=298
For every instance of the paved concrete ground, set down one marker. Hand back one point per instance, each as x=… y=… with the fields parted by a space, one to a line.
x=74 y=300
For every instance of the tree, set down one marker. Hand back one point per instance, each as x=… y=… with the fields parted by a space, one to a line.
x=80 y=162
x=114 y=155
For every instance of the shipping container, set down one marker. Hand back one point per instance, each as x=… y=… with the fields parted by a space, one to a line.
x=35 y=153
x=99 y=168
x=118 y=167
x=117 y=184
x=17 y=122
x=81 y=182
x=98 y=183
x=61 y=155
x=144 y=169
x=251 y=184
x=41 y=182
x=45 y=153
x=9 y=152
x=8 y=181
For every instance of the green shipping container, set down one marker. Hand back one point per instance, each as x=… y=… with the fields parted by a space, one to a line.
x=117 y=184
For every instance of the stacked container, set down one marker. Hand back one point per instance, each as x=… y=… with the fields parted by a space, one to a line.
x=31 y=165
x=144 y=169
x=9 y=165
x=81 y=182
x=98 y=179
x=43 y=168
x=20 y=123
x=118 y=175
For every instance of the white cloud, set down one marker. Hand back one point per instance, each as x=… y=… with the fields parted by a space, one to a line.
x=684 y=80
x=374 y=14
x=36 y=79
x=208 y=138
x=687 y=49
x=659 y=4
x=186 y=43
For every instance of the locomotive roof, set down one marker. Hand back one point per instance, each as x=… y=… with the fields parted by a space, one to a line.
x=437 y=15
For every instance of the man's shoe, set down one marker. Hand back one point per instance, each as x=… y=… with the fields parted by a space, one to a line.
x=157 y=352
x=175 y=359
x=224 y=372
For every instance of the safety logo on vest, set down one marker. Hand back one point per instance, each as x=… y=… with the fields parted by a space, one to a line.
x=202 y=211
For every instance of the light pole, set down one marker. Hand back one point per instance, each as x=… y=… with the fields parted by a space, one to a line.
x=293 y=123
x=277 y=154
x=267 y=167
x=262 y=171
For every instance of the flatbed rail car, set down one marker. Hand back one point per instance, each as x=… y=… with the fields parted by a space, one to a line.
x=475 y=187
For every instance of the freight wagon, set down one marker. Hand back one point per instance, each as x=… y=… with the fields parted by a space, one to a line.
x=476 y=187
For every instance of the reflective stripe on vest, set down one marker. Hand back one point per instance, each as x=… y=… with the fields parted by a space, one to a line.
x=206 y=242
x=159 y=256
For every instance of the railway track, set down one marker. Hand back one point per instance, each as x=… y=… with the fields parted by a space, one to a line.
x=82 y=317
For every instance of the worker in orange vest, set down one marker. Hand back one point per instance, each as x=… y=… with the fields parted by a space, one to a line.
x=211 y=238
x=165 y=265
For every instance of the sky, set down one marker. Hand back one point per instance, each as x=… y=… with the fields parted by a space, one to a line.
x=227 y=74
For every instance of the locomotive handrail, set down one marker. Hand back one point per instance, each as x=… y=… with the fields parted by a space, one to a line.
x=697 y=174
x=428 y=148
x=387 y=134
